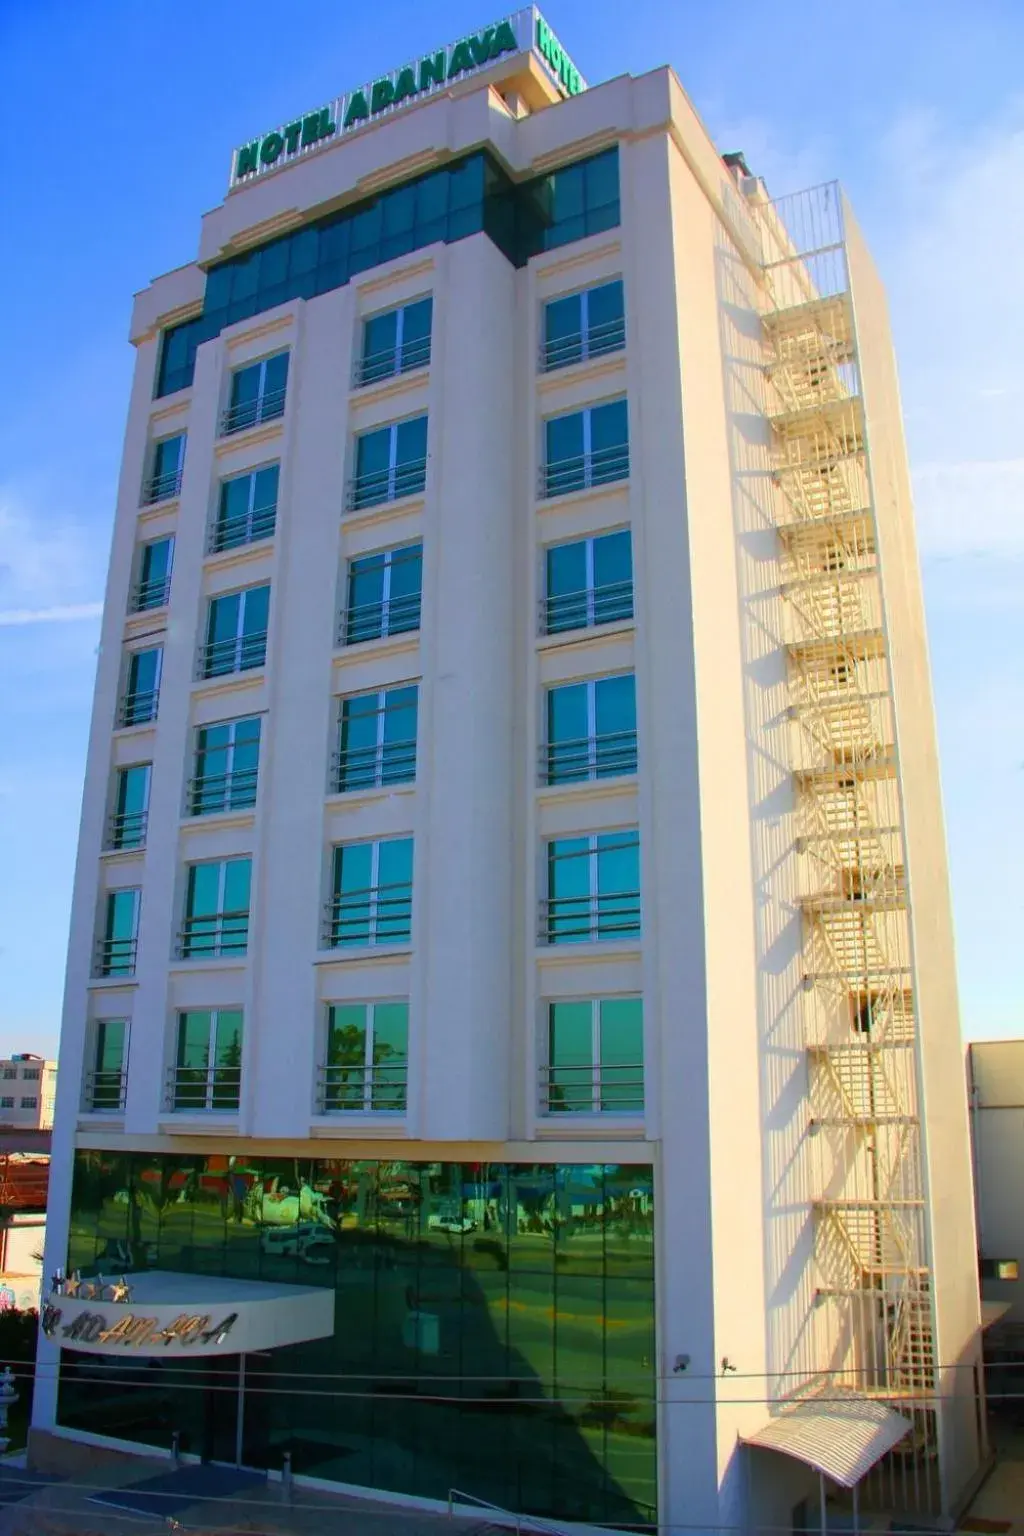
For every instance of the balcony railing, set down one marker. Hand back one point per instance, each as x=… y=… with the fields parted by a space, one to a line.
x=149 y=594
x=249 y=413
x=599 y=467
x=370 y=621
x=374 y=366
x=592 y=1089
x=138 y=708
x=222 y=792
x=389 y=762
x=591 y=918
x=380 y=914
x=561 y=351
x=238 y=653
x=127 y=829
x=104 y=1092
x=231 y=532
x=161 y=487
x=589 y=757
x=360 y=1089
x=202 y=1089
x=209 y=938
x=116 y=957
x=586 y=608
x=377 y=486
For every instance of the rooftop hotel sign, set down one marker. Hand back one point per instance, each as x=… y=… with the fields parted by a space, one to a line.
x=524 y=31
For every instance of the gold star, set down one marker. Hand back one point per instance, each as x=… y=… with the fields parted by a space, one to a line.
x=73 y=1284
x=121 y=1291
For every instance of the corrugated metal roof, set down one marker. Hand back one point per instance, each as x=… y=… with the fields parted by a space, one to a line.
x=836 y=1431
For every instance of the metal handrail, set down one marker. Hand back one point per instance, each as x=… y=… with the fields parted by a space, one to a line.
x=392 y=611
x=245 y=652
x=248 y=528
x=370 y=915
x=605 y=1085
x=127 y=829
x=378 y=486
x=343 y=1087
x=389 y=361
x=138 y=708
x=234 y=791
x=207 y=1085
x=249 y=413
x=149 y=594
x=161 y=487
x=586 y=607
x=229 y=935
x=596 y=341
x=529 y=1522
x=604 y=755
x=107 y=1086
x=116 y=957
x=607 y=916
x=600 y=466
x=389 y=762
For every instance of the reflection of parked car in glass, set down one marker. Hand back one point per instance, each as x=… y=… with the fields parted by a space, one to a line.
x=306 y=1241
x=451 y=1223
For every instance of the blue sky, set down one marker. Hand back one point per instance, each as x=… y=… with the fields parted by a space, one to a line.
x=117 y=121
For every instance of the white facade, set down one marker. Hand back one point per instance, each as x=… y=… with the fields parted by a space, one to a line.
x=727 y=1119
x=28 y=1086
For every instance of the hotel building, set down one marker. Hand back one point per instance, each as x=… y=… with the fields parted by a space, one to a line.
x=510 y=1045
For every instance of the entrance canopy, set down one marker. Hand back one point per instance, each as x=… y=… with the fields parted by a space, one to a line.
x=160 y=1312
x=837 y=1432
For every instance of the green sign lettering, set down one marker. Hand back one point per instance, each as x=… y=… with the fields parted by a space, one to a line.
x=551 y=50
x=461 y=60
x=291 y=136
x=246 y=163
x=382 y=95
x=405 y=85
x=432 y=71
x=358 y=111
x=271 y=148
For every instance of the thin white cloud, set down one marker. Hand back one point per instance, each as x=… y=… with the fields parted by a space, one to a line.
x=970 y=507
x=67 y=613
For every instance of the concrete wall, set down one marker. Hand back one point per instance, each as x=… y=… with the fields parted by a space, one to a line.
x=995 y=1072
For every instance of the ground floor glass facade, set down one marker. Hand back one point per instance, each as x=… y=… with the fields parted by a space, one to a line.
x=494 y=1323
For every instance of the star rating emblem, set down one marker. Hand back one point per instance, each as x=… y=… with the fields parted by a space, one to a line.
x=121 y=1291
x=73 y=1284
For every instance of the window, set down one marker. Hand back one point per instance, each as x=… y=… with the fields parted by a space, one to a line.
x=395 y=341
x=247 y=509
x=216 y=910
x=30 y=1074
x=153 y=586
x=593 y=888
x=10 y=1073
x=390 y=462
x=207 y=1071
x=164 y=478
x=595 y=1057
x=583 y=325
x=127 y=827
x=588 y=583
x=591 y=730
x=236 y=632
x=371 y=893
x=119 y=940
x=6 y=1102
x=464 y=198
x=376 y=739
x=367 y=1057
x=29 y=1103
x=586 y=448
x=257 y=394
x=142 y=687
x=226 y=767
x=384 y=592
x=104 y=1081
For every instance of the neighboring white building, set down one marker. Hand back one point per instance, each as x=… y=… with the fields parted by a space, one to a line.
x=512 y=892
x=995 y=1079
x=28 y=1085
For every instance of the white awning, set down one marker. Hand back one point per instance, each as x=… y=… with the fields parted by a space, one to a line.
x=161 y=1312
x=836 y=1431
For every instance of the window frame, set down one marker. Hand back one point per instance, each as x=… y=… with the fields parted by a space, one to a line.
x=366 y=375
x=335 y=920
x=265 y=406
x=587 y=350
x=118 y=964
x=370 y=1088
x=92 y=1088
x=404 y=771
x=213 y=943
x=591 y=594
x=386 y=603
x=130 y=711
x=618 y=759
x=586 y=476
x=401 y=479
x=179 y=1104
x=119 y=838
x=165 y=486
x=591 y=1075
x=146 y=595
x=600 y=928
x=240 y=641
x=258 y=523
x=197 y=783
